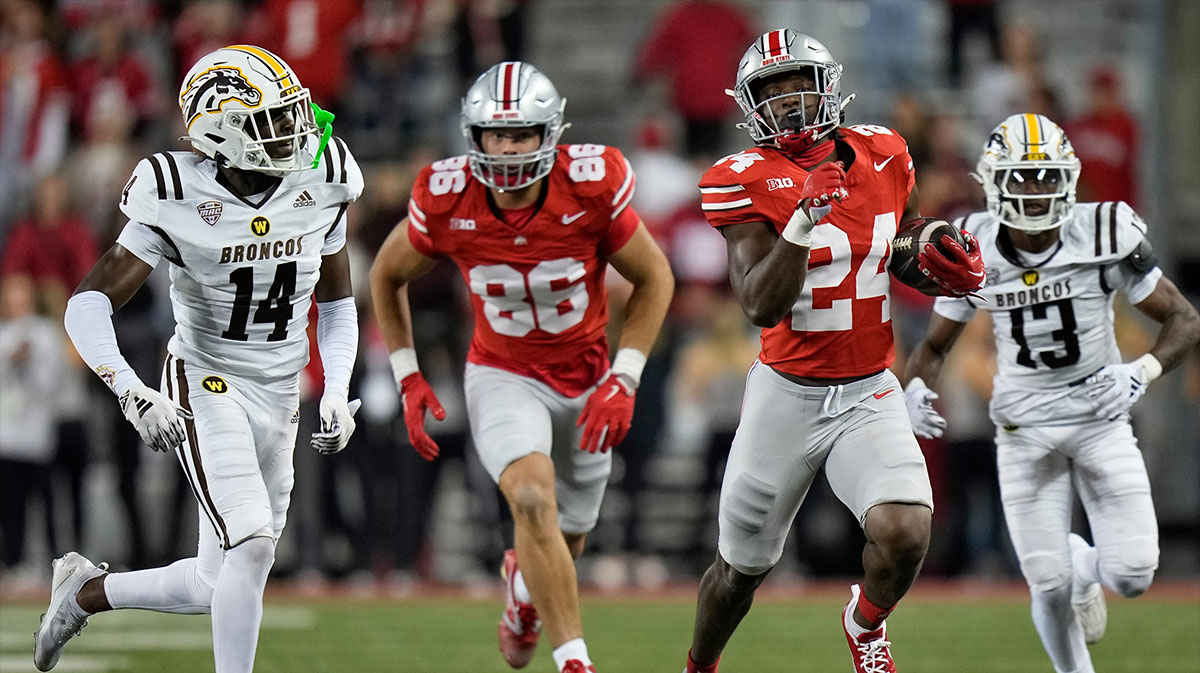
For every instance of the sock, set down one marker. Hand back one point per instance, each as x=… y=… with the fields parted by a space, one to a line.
x=871 y=612
x=572 y=649
x=1086 y=566
x=177 y=588
x=237 y=604
x=1061 y=635
x=519 y=588
x=693 y=667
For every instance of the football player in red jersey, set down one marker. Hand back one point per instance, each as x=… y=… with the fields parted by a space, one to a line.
x=808 y=215
x=532 y=225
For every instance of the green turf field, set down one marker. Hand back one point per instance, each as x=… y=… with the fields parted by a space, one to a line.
x=438 y=635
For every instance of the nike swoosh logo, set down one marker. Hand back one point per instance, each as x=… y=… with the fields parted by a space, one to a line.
x=567 y=219
x=879 y=166
x=880 y=396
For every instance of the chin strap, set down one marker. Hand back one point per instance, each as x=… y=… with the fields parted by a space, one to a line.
x=324 y=120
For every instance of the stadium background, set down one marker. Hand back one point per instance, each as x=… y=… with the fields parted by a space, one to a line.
x=383 y=541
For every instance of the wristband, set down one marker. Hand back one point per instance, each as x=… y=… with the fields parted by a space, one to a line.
x=1150 y=365
x=404 y=363
x=629 y=363
x=798 y=230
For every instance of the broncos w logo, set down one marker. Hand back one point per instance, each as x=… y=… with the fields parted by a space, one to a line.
x=214 y=87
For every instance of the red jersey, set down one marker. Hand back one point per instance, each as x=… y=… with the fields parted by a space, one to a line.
x=840 y=326
x=537 y=282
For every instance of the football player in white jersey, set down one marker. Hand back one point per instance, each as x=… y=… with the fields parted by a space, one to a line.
x=253 y=226
x=1062 y=394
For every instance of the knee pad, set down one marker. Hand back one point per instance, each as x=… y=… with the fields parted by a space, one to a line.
x=1046 y=572
x=1129 y=586
x=257 y=553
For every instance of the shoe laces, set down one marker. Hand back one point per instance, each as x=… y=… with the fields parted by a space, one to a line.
x=577 y=666
x=875 y=657
x=528 y=616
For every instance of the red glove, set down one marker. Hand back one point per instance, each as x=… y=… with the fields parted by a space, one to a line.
x=958 y=276
x=824 y=184
x=606 y=415
x=417 y=396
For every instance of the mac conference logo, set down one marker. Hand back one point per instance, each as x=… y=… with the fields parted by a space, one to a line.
x=215 y=384
x=260 y=226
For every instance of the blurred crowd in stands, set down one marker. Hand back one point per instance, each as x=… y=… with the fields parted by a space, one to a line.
x=88 y=87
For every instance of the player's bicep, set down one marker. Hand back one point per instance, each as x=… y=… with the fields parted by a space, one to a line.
x=912 y=206
x=640 y=260
x=747 y=244
x=1165 y=301
x=398 y=259
x=334 y=282
x=942 y=334
x=118 y=274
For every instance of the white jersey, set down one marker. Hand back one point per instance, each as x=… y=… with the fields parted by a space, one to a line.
x=243 y=270
x=1053 y=318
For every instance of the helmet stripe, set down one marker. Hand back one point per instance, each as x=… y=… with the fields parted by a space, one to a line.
x=272 y=62
x=508 y=85
x=1033 y=132
x=775 y=43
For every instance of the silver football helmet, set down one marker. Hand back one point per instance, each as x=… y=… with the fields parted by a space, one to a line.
x=244 y=107
x=783 y=51
x=512 y=94
x=1029 y=172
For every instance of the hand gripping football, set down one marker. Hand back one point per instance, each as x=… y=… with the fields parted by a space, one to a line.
x=912 y=238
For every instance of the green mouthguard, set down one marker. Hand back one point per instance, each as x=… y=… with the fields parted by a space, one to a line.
x=324 y=120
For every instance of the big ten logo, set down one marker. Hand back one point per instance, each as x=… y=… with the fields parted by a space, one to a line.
x=260 y=226
x=215 y=384
x=448 y=176
x=587 y=163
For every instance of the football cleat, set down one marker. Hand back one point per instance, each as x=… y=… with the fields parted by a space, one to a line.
x=1087 y=599
x=577 y=666
x=64 y=618
x=871 y=651
x=520 y=626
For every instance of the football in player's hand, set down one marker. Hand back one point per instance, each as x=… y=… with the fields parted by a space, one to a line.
x=910 y=241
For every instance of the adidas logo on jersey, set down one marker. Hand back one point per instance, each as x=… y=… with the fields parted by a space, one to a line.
x=304 y=200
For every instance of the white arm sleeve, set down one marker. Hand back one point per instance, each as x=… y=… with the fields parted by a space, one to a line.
x=88 y=320
x=337 y=341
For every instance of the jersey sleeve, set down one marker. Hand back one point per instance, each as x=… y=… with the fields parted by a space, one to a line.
x=140 y=197
x=622 y=229
x=958 y=309
x=724 y=197
x=418 y=232
x=335 y=238
x=623 y=181
x=354 y=177
x=341 y=170
x=147 y=242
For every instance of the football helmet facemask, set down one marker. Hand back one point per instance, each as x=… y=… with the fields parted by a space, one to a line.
x=779 y=53
x=1029 y=172
x=512 y=94
x=245 y=108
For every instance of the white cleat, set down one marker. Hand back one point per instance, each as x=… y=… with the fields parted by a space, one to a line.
x=1087 y=600
x=63 y=619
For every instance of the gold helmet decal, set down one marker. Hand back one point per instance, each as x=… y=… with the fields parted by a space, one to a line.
x=212 y=89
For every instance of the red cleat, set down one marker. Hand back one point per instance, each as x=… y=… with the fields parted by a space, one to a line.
x=519 y=626
x=577 y=666
x=871 y=651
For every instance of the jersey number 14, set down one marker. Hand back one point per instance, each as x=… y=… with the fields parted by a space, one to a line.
x=275 y=308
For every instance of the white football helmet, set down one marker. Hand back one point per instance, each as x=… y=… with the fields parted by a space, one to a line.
x=512 y=94
x=782 y=51
x=244 y=107
x=1028 y=165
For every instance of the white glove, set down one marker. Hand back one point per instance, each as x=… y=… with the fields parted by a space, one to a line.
x=926 y=421
x=156 y=418
x=1115 y=388
x=337 y=424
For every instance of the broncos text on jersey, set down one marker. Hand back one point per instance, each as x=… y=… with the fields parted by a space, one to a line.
x=1053 y=314
x=536 y=286
x=242 y=270
x=840 y=326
